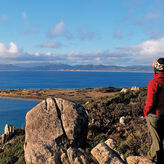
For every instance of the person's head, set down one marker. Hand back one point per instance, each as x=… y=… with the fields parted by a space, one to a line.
x=158 y=65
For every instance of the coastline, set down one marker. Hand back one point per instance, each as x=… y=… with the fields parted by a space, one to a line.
x=20 y=98
x=76 y=95
x=65 y=70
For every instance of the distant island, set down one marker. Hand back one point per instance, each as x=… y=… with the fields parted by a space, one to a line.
x=65 y=67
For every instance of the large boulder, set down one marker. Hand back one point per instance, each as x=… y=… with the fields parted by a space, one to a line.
x=51 y=127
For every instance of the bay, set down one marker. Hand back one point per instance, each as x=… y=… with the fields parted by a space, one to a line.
x=13 y=111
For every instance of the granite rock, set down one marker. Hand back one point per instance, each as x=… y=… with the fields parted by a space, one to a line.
x=51 y=127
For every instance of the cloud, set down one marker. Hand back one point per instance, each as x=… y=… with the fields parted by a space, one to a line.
x=154 y=33
x=47 y=44
x=149 y=17
x=141 y=54
x=83 y=35
x=9 y=52
x=24 y=15
x=30 y=31
x=59 y=30
x=150 y=48
x=118 y=34
x=145 y=52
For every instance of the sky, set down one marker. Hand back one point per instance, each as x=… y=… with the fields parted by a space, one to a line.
x=99 y=32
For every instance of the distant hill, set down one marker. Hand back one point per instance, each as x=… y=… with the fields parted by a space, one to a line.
x=10 y=67
x=111 y=68
x=65 y=67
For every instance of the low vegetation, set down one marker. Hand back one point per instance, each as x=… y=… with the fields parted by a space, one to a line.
x=12 y=151
x=104 y=114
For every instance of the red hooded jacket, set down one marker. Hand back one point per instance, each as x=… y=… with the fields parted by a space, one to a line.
x=155 y=95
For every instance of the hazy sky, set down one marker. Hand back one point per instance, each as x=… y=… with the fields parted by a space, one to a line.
x=110 y=32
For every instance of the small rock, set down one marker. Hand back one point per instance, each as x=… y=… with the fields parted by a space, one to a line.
x=77 y=156
x=138 y=160
x=64 y=159
x=112 y=144
x=135 y=88
x=105 y=155
x=122 y=120
x=123 y=90
x=3 y=138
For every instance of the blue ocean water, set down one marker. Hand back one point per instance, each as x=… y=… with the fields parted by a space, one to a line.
x=59 y=79
x=13 y=111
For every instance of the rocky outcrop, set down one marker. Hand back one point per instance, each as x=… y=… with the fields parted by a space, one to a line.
x=138 y=160
x=8 y=132
x=125 y=90
x=108 y=153
x=135 y=88
x=9 y=129
x=51 y=127
x=77 y=156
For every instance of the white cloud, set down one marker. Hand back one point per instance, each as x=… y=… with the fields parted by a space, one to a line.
x=143 y=53
x=57 y=30
x=3 y=48
x=48 y=53
x=9 y=52
x=48 y=44
x=13 y=48
x=37 y=54
x=30 y=31
x=149 y=48
x=140 y=54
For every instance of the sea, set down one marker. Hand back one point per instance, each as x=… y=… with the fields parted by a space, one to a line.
x=13 y=111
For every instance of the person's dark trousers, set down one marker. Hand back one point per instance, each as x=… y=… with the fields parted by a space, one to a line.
x=155 y=125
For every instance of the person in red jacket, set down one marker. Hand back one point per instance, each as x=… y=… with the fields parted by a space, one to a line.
x=154 y=111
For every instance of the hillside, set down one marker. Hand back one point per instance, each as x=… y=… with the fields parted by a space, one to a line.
x=104 y=114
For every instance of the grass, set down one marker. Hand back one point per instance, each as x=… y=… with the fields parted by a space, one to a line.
x=12 y=152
